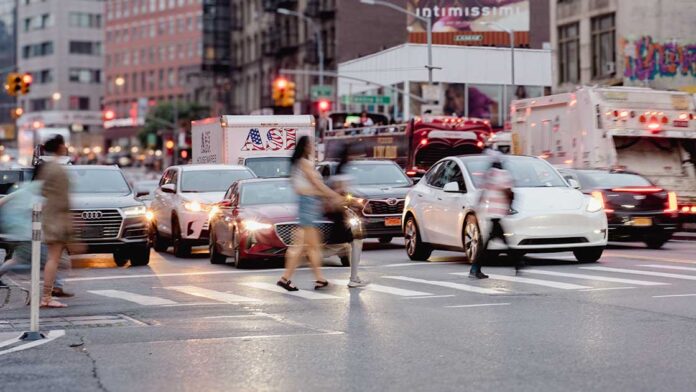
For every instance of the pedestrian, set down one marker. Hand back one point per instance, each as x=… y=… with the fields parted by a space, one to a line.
x=496 y=200
x=57 y=220
x=311 y=192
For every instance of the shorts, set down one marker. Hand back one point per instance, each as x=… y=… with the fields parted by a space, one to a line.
x=310 y=210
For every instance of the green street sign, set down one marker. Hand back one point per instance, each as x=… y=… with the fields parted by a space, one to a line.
x=321 y=91
x=366 y=99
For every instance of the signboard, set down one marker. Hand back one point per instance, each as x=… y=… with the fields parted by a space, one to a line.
x=366 y=99
x=321 y=91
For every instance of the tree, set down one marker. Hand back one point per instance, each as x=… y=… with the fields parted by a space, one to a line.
x=161 y=117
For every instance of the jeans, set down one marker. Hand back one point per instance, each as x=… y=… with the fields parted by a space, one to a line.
x=22 y=255
x=497 y=231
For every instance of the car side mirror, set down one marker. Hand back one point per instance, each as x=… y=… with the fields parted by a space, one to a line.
x=451 y=187
x=141 y=194
x=168 y=188
x=574 y=183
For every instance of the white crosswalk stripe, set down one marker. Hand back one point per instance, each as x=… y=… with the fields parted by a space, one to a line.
x=211 y=294
x=300 y=293
x=594 y=277
x=386 y=289
x=672 y=267
x=538 y=282
x=451 y=285
x=639 y=272
x=146 y=300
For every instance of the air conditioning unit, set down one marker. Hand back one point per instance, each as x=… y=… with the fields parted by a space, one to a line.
x=609 y=68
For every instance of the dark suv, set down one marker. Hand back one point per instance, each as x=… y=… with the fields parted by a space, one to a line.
x=106 y=215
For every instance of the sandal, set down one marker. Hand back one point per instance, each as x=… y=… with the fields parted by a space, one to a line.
x=287 y=285
x=319 y=284
x=52 y=303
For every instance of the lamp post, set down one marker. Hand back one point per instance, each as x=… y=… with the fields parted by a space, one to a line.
x=512 y=59
x=317 y=32
x=428 y=26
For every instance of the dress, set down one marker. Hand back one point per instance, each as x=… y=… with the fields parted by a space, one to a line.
x=56 y=224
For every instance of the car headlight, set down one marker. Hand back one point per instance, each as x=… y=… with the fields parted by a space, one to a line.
x=214 y=210
x=594 y=205
x=252 y=225
x=149 y=215
x=195 y=206
x=355 y=201
x=135 y=211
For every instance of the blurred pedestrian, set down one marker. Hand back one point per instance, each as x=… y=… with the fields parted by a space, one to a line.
x=312 y=191
x=57 y=220
x=495 y=201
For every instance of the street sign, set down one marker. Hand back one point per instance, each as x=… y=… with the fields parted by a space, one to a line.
x=321 y=91
x=366 y=99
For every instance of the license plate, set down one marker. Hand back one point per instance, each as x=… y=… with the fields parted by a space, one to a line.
x=392 y=221
x=642 y=221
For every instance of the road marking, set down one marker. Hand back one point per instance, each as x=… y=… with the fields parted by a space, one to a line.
x=637 y=272
x=650 y=258
x=451 y=285
x=211 y=294
x=594 y=277
x=432 y=296
x=306 y=294
x=608 y=288
x=146 y=300
x=51 y=336
x=413 y=264
x=674 y=267
x=385 y=289
x=674 y=295
x=10 y=341
x=538 y=282
x=478 y=305
x=232 y=316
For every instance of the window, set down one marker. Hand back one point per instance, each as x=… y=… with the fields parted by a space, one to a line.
x=37 y=50
x=38 y=22
x=603 y=46
x=79 y=103
x=39 y=104
x=569 y=53
x=84 y=75
x=432 y=177
x=42 y=77
x=85 y=47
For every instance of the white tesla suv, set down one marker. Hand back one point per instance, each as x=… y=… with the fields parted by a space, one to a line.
x=547 y=215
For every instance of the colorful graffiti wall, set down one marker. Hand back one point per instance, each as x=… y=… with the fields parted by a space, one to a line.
x=645 y=59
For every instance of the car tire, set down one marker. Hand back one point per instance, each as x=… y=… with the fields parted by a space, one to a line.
x=181 y=248
x=656 y=242
x=159 y=243
x=140 y=256
x=415 y=248
x=588 y=255
x=472 y=240
x=120 y=258
x=215 y=257
x=385 y=240
x=238 y=261
x=345 y=261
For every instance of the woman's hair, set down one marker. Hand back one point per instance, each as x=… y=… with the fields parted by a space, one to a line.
x=301 y=150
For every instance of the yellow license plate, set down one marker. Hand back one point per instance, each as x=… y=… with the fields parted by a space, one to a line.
x=392 y=221
x=642 y=221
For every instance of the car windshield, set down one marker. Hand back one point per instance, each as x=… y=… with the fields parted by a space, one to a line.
x=377 y=174
x=267 y=192
x=9 y=181
x=526 y=172
x=611 y=180
x=269 y=167
x=211 y=180
x=88 y=180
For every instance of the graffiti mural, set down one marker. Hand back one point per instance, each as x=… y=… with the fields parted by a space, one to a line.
x=645 y=59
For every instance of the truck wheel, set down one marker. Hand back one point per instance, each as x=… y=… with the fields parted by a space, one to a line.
x=415 y=248
x=215 y=257
x=120 y=258
x=385 y=240
x=159 y=244
x=588 y=255
x=181 y=248
x=140 y=256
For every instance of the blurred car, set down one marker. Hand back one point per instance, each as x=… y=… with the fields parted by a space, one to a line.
x=637 y=210
x=145 y=190
x=12 y=176
x=377 y=195
x=183 y=201
x=255 y=221
x=547 y=214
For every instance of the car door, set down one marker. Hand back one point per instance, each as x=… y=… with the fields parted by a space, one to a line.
x=159 y=200
x=442 y=231
x=452 y=206
x=167 y=202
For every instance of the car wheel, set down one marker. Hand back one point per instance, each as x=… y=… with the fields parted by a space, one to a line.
x=473 y=246
x=588 y=255
x=215 y=257
x=181 y=248
x=120 y=258
x=140 y=256
x=345 y=261
x=656 y=242
x=159 y=243
x=238 y=261
x=385 y=240
x=415 y=248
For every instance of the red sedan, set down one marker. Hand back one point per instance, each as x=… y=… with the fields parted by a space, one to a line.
x=255 y=221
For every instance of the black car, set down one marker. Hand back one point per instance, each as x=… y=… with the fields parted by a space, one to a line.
x=637 y=209
x=377 y=195
x=12 y=177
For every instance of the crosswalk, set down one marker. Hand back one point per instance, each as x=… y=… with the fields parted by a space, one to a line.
x=437 y=285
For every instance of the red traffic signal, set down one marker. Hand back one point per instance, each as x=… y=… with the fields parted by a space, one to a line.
x=280 y=83
x=27 y=78
x=324 y=105
x=109 y=115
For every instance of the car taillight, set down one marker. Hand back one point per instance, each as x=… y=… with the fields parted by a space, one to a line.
x=638 y=189
x=671 y=202
x=600 y=197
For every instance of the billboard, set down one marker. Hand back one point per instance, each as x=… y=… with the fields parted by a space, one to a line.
x=455 y=16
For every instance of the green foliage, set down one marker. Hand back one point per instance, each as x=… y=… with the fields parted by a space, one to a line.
x=161 y=117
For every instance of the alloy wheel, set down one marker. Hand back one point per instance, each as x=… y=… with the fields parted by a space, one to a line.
x=472 y=239
x=410 y=237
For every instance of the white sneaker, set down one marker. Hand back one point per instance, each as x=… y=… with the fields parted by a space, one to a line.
x=357 y=282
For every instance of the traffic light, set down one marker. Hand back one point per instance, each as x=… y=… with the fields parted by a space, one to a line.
x=25 y=84
x=108 y=115
x=14 y=83
x=289 y=98
x=324 y=105
x=280 y=86
x=16 y=113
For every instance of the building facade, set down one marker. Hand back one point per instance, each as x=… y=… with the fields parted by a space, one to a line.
x=649 y=43
x=60 y=43
x=8 y=62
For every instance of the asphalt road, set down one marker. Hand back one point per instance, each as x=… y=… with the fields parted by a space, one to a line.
x=624 y=324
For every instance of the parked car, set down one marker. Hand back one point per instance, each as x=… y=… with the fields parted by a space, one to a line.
x=637 y=209
x=547 y=215
x=183 y=201
x=377 y=195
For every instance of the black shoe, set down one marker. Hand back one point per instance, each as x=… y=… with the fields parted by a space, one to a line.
x=60 y=293
x=519 y=267
x=287 y=285
x=478 y=275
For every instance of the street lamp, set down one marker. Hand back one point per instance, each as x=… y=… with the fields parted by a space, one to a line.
x=317 y=32
x=512 y=58
x=56 y=96
x=428 y=25
x=119 y=81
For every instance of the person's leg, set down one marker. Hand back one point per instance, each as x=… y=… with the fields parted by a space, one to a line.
x=63 y=270
x=55 y=251
x=293 y=255
x=355 y=254
x=313 y=247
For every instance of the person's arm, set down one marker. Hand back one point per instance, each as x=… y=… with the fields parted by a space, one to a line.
x=310 y=174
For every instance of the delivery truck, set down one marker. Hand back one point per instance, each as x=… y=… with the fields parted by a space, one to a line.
x=262 y=143
x=650 y=132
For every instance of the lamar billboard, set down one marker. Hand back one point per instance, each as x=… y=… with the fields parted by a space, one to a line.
x=465 y=22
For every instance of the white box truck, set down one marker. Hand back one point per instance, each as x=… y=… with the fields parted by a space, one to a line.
x=650 y=132
x=262 y=143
